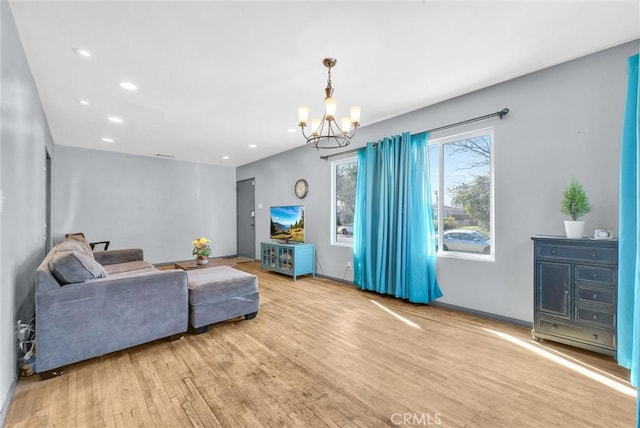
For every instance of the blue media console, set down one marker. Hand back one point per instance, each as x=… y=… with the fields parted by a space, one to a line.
x=289 y=259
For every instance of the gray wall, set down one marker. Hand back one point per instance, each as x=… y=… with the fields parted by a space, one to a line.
x=159 y=205
x=565 y=121
x=24 y=135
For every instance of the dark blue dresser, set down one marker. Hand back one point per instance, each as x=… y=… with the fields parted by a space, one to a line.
x=575 y=291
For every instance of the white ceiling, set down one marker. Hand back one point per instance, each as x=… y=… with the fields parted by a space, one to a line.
x=217 y=76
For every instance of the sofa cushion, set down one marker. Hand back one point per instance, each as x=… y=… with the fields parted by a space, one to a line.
x=73 y=244
x=127 y=268
x=86 y=247
x=70 y=267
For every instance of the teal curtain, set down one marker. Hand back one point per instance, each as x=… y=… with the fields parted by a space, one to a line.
x=393 y=231
x=629 y=236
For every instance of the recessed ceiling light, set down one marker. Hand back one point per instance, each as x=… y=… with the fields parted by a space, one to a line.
x=252 y=146
x=107 y=139
x=115 y=119
x=225 y=157
x=86 y=53
x=129 y=86
x=292 y=130
x=84 y=102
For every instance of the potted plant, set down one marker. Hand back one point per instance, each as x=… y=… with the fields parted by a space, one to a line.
x=202 y=250
x=575 y=204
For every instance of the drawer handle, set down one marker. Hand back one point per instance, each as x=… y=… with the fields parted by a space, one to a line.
x=554 y=326
x=595 y=296
x=594 y=255
x=595 y=275
x=595 y=316
x=553 y=251
x=566 y=292
x=594 y=336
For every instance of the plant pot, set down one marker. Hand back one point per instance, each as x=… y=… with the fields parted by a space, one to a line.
x=574 y=229
x=202 y=260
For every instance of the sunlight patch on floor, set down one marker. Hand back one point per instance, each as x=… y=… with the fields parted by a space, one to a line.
x=592 y=374
x=401 y=318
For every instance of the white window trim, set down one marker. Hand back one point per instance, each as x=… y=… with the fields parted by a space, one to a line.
x=334 y=208
x=449 y=139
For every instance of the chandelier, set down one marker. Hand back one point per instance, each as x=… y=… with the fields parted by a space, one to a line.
x=325 y=132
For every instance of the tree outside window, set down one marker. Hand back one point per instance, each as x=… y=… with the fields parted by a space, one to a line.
x=462 y=195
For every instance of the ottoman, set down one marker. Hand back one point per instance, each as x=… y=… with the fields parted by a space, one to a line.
x=221 y=293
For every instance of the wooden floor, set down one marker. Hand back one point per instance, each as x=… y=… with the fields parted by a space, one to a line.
x=322 y=353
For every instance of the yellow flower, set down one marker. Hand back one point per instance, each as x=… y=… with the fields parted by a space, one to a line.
x=201 y=247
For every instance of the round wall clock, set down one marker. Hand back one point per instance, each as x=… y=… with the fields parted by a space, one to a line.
x=301 y=188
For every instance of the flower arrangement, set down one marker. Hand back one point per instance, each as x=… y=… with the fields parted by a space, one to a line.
x=201 y=247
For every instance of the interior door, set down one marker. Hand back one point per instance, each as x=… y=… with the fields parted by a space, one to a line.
x=245 y=211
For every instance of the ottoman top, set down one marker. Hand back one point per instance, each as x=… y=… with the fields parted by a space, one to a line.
x=219 y=283
x=216 y=275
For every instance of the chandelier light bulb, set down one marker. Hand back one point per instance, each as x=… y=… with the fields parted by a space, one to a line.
x=346 y=125
x=355 y=114
x=315 y=125
x=303 y=115
x=330 y=107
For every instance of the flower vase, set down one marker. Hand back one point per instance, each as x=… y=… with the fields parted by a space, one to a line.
x=202 y=260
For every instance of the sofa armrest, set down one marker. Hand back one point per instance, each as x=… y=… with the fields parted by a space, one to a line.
x=119 y=256
x=81 y=321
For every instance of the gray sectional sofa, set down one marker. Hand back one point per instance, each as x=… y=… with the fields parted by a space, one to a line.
x=89 y=304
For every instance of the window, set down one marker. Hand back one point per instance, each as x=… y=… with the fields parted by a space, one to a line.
x=461 y=168
x=343 y=200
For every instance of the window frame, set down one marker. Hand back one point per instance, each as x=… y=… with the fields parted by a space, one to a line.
x=334 y=208
x=440 y=143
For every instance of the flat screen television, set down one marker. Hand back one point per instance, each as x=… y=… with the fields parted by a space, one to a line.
x=287 y=223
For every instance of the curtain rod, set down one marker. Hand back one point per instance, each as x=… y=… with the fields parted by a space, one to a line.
x=502 y=113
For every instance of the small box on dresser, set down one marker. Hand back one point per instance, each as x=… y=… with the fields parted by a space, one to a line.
x=575 y=291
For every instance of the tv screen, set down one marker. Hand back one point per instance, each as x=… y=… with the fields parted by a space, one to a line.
x=287 y=223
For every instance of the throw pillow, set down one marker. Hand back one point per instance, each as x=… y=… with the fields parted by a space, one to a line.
x=78 y=240
x=71 y=267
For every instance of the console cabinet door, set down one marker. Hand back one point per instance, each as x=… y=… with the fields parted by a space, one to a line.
x=553 y=284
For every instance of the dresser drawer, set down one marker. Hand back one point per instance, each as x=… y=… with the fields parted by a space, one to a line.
x=594 y=254
x=582 y=333
x=598 y=274
x=602 y=318
x=596 y=295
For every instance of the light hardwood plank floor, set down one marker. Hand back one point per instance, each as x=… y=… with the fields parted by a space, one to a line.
x=321 y=353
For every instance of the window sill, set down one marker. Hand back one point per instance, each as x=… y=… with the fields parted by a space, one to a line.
x=466 y=256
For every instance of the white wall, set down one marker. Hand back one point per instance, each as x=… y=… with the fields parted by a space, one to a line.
x=24 y=135
x=565 y=121
x=159 y=205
